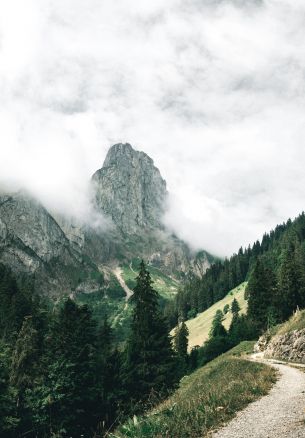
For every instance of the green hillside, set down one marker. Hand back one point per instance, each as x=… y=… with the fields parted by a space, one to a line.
x=166 y=286
x=110 y=300
x=200 y=326
x=295 y=322
x=204 y=399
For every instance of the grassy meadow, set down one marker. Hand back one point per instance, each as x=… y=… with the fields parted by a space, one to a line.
x=200 y=326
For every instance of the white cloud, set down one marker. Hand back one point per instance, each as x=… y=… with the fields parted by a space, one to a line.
x=212 y=90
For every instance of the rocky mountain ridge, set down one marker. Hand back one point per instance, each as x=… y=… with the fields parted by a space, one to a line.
x=32 y=242
x=63 y=256
x=130 y=190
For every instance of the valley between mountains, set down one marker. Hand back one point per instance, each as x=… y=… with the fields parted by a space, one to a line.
x=117 y=328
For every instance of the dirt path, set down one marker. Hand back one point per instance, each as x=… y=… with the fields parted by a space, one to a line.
x=280 y=414
x=118 y=273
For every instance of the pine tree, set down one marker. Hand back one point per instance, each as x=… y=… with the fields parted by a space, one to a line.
x=226 y=309
x=149 y=365
x=217 y=329
x=235 y=307
x=261 y=291
x=181 y=339
x=72 y=374
x=241 y=329
x=180 y=346
x=290 y=286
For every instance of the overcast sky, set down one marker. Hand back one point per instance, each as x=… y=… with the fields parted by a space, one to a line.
x=213 y=91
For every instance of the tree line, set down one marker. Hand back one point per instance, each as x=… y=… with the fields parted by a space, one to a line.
x=277 y=252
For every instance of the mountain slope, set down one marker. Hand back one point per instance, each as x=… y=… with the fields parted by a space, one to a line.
x=204 y=399
x=199 y=327
x=225 y=275
x=32 y=242
x=131 y=193
x=62 y=257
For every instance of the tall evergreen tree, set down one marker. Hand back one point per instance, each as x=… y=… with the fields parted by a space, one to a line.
x=290 y=282
x=149 y=365
x=180 y=345
x=217 y=329
x=261 y=291
x=72 y=375
x=181 y=339
x=235 y=307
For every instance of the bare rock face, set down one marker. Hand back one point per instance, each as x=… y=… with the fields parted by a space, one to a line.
x=289 y=347
x=32 y=242
x=130 y=190
x=26 y=220
x=64 y=256
x=262 y=343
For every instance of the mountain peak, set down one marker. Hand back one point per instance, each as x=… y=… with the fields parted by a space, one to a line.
x=124 y=154
x=116 y=151
x=130 y=189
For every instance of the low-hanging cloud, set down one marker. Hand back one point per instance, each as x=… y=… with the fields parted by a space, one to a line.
x=212 y=90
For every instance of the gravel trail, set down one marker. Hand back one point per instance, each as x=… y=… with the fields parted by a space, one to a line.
x=280 y=414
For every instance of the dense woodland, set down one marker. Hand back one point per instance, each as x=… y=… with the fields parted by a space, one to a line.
x=62 y=373
x=278 y=260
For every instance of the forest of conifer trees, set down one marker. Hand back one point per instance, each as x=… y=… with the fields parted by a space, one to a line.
x=281 y=254
x=63 y=374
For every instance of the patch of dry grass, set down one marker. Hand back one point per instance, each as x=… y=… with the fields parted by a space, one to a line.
x=296 y=322
x=200 y=326
x=205 y=399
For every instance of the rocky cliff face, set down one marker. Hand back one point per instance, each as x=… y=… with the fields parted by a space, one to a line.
x=32 y=242
x=288 y=347
x=64 y=256
x=130 y=190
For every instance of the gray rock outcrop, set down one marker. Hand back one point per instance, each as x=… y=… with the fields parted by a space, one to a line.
x=130 y=190
x=288 y=347
x=32 y=242
x=61 y=255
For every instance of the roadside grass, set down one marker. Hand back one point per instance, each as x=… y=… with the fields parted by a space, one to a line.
x=241 y=350
x=205 y=399
x=199 y=327
x=296 y=322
